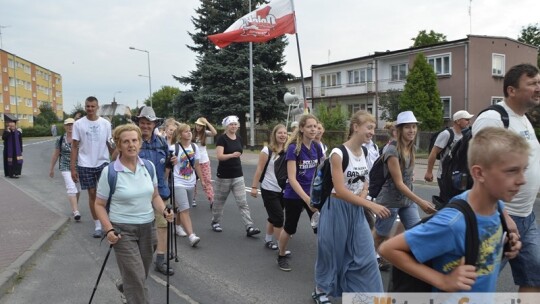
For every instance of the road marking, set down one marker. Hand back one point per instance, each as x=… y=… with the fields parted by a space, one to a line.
x=174 y=289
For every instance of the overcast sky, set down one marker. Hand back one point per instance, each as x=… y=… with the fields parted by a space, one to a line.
x=88 y=42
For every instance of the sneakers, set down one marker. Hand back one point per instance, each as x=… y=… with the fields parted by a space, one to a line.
x=384 y=265
x=271 y=245
x=98 y=233
x=194 y=204
x=194 y=240
x=320 y=297
x=76 y=215
x=252 y=231
x=180 y=231
x=162 y=267
x=283 y=263
x=217 y=227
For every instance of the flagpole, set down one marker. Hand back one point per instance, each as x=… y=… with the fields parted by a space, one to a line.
x=299 y=59
x=251 y=103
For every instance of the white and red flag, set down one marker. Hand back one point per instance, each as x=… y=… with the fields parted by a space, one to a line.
x=265 y=23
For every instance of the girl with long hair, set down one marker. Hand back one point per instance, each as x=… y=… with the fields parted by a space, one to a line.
x=204 y=129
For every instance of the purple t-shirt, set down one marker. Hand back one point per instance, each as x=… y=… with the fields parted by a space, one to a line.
x=306 y=163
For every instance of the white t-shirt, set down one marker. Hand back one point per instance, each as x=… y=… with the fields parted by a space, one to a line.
x=202 y=149
x=92 y=137
x=522 y=204
x=356 y=172
x=373 y=153
x=441 y=141
x=270 y=181
x=184 y=173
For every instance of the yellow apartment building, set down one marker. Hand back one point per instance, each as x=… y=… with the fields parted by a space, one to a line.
x=25 y=86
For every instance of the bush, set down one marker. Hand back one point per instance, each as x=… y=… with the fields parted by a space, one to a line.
x=38 y=131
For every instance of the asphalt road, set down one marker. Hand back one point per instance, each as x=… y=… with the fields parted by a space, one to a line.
x=226 y=267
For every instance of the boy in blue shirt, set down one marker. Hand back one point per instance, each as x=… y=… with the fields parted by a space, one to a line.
x=497 y=160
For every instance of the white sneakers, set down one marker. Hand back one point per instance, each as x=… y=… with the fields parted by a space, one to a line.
x=180 y=231
x=194 y=240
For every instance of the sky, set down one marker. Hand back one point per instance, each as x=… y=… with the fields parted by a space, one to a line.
x=87 y=42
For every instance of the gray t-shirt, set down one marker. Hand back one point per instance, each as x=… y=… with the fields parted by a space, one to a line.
x=390 y=196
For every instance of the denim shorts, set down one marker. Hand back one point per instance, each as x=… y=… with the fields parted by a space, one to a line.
x=526 y=266
x=408 y=216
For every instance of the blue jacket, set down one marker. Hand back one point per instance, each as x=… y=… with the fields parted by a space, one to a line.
x=156 y=152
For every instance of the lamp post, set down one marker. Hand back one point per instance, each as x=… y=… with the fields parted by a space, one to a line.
x=149 y=74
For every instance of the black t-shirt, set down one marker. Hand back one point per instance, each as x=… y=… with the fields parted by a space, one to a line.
x=232 y=167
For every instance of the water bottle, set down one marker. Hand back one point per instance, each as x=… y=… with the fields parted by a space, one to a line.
x=315 y=220
x=316 y=190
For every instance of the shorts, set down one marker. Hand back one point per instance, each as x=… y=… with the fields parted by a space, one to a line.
x=526 y=265
x=161 y=222
x=408 y=216
x=88 y=177
x=273 y=202
x=183 y=197
x=293 y=209
x=72 y=188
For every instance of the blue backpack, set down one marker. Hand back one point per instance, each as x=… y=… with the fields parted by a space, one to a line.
x=112 y=177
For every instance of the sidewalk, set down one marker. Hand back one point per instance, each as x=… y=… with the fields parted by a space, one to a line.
x=26 y=227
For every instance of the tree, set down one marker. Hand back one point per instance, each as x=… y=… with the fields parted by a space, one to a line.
x=423 y=38
x=77 y=109
x=389 y=104
x=162 y=101
x=220 y=83
x=531 y=35
x=421 y=95
x=46 y=115
x=334 y=121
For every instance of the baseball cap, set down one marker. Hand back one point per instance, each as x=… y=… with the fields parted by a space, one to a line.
x=462 y=114
x=69 y=121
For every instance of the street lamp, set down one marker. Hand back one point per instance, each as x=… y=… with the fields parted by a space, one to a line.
x=149 y=74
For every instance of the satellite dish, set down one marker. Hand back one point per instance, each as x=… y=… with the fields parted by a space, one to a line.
x=290 y=99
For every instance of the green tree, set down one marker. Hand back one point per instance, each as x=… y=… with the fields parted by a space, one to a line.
x=389 y=104
x=46 y=115
x=220 y=82
x=421 y=95
x=79 y=108
x=531 y=35
x=334 y=121
x=423 y=38
x=162 y=101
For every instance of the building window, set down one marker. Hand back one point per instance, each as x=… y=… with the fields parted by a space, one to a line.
x=447 y=106
x=497 y=65
x=13 y=100
x=11 y=81
x=28 y=102
x=11 y=64
x=360 y=76
x=308 y=92
x=352 y=108
x=398 y=72
x=331 y=80
x=496 y=99
x=441 y=64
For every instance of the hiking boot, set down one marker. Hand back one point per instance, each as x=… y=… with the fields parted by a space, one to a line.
x=180 y=231
x=283 y=263
x=194 y=240
x=76 y=215
x=163 y=269
x=384 y=265
x=252 y=231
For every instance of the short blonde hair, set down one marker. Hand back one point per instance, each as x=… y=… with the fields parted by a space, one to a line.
x=491 y=145
x=125 y=128
x=177 y=135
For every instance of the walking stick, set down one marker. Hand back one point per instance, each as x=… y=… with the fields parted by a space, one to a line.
x=170 y=229
x=173 y=197
x=102 y=268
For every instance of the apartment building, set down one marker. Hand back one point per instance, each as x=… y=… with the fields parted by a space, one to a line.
x=25 y=86
x=469 y=73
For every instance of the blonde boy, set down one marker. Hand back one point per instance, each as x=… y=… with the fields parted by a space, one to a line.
x=497 y=160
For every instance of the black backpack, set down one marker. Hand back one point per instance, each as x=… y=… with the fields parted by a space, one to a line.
x=455 y=176
x=321 y=186
x=263 y=173
x=434 y=138
x=280 y=166
x=378 y=175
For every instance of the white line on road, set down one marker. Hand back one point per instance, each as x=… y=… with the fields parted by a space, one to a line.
x=174 y=289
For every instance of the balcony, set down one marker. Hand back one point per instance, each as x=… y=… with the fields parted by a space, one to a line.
x=344 y=90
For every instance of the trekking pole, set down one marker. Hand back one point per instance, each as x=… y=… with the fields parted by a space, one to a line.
x=173 y=197
x=169 y=229
x=103 y=267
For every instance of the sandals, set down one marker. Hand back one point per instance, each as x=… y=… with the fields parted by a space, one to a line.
x=216 y=227
x=320 y=298
x=271 y=245
x=252 y=231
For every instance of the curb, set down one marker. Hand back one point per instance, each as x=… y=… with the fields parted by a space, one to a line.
x=10 y=276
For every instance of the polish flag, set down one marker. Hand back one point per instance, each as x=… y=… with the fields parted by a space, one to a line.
x=265 y=23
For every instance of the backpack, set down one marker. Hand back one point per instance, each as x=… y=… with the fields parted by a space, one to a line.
x=266 y=165
x=455 y=176
x=378 y=175
x=280 y=166
x=321 y=186
x=112 y=177
x=434 y=138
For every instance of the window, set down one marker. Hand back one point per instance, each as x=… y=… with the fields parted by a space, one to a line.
x=447 y=106
x=496 y=99
x=308 y=92
x=497 y=65
x=27 y=69
x=28 y=102
x=13 y=100
x=11 y=64
x=11 y=81
x=398 y=72
x=441 y=64
x=352 y=108
x=331 y=80
x=360 y=76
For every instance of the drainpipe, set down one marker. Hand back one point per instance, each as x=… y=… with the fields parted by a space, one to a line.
x=466 y=77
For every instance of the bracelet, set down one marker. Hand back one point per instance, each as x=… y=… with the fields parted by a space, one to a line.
x=112 y=229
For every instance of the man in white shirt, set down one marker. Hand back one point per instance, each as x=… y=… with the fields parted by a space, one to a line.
x=90 y=151
x=522 y=92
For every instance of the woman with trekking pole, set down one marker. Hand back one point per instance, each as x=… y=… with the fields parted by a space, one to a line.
x=131 y=212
